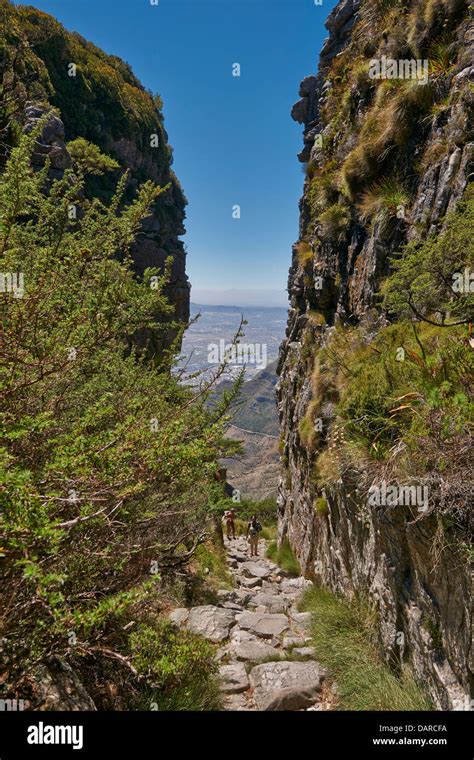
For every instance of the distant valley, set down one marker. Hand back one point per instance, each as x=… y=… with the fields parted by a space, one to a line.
x=254 y=415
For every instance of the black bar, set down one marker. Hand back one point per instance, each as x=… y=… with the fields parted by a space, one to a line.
x=137 y=735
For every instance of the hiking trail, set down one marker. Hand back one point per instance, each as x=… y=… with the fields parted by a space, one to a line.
x=266 y=661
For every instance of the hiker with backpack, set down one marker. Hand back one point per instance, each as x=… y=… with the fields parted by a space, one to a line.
x=229 y=520
x=253 y=529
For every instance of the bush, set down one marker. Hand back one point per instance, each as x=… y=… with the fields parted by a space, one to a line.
x=404 y=409
x=89 y=159
x=179 y=666
x=334 y=221
x=429 y=278
x=304 y=253
x=107 y=463
x=384 y=201
x=321 y=506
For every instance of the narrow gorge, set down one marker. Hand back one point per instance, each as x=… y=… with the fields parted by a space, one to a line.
x=124 y=449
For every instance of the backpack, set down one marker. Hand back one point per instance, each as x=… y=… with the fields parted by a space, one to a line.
x=258 y=527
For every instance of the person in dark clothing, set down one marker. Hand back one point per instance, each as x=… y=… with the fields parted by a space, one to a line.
x=253 y=529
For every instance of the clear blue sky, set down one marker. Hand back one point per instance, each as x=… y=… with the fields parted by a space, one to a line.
x=234 y=141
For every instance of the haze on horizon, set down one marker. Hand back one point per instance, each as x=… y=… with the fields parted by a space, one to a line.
x=259 y=298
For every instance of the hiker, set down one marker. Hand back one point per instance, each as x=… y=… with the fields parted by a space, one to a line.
x=229 y=520
x=253 y=529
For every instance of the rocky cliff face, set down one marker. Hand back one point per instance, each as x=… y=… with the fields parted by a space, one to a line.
x=96 y=97
x=360 y=135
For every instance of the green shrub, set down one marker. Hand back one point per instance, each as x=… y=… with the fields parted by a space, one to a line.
x=179 y=666
x=304 y=253
x=210 y=564
x=343 y=636
x=99 y=443
x=89 y=158
x=423 y=284
x=383 y=202
x=334 y=221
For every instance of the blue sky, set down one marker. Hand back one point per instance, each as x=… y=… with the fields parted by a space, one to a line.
x=234 y=141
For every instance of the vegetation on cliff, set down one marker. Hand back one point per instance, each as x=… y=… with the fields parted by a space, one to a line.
x=376 y=384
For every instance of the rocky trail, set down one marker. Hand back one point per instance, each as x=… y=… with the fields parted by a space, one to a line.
x=266 y=661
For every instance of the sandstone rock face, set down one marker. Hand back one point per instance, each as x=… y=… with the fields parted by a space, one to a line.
x=51 y=143
x=286 y=685
x=424 y=605
x=159 y=238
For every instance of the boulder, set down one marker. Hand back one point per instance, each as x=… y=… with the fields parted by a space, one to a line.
x=236 y=702
x=286 y=685
x=253 y=650
x=250 y=582
x=292 y=585
x=301 y=619
x=56 y=686
x=266 y=625
x=234 y=678
x=255 y=570
x=214 y=623
x=179 y=616
x=303 y=651
x=273 y=602
x=293 y=641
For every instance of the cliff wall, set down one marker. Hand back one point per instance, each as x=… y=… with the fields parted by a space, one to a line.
x=387 y=159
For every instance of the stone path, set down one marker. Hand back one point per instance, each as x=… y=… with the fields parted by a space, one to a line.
x=258 y=628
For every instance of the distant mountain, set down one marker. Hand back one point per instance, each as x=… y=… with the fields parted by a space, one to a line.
x=255 y=422
x=256 y=409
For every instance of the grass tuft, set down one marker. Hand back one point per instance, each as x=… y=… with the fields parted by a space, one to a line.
x=284 y=557
x=343 y=635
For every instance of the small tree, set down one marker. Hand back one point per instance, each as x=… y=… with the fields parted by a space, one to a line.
x=433 y=280
x=89 y=159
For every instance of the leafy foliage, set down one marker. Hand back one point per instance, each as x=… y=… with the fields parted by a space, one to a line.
x=107 y=462
x=433 y=280
x=404 y=403
x=283 y=555
x=88 y=158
